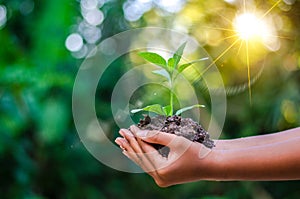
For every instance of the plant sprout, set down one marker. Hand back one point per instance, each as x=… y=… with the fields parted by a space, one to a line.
x=169 y=70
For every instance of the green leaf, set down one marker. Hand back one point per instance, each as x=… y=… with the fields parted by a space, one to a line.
x=155 y=108
x=162 y=73
x=136 y=110
x=154 y=58
x=184 y=66
x=171 y=62
x=168 y=110
x=188 y=108
x=178 y=54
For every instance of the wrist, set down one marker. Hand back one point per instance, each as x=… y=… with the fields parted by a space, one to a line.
x=212 y=164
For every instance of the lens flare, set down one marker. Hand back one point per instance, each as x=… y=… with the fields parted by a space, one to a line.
x=249 y=26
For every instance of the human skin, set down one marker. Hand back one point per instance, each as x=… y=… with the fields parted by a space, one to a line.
x=266 y=157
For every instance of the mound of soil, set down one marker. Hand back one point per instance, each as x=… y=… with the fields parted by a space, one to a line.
x=177 y=125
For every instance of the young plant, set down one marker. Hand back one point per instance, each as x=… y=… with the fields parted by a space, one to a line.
x=169 y=70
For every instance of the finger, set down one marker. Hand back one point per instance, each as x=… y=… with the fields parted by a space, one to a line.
x=150 y=170
x=139 y=157
x=149 y=151
x=155 y=137
x=146 y=147
x=131 y=140
x=142 y=161
x=119 y=142
x=177 y=144
x=156 y=159
x=130 y=153
x=133 y=157
x=123 y=143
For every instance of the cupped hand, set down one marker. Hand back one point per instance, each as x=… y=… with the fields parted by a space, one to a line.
x=183 y=163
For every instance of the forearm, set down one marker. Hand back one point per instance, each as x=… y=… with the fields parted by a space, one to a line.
x=278 y=161
x=258 y=140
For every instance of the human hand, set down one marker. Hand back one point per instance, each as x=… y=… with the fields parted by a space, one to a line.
x=237 y=159
x=183 y=163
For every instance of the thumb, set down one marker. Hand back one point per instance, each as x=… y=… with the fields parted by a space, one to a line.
x=153 y=136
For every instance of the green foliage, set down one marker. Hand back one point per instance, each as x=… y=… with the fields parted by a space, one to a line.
x=180 y=111
x=155 y=108
x=167 y=110
x=163 y=73
x=168 y=72
x=154 y=58
x=178 y=54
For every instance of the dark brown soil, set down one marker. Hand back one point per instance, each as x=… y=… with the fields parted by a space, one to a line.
x=177 y=125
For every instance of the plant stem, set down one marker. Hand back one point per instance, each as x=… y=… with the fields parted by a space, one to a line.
x=171 y=100
x=171 y=93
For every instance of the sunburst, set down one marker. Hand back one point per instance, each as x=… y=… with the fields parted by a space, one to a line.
x=247 y=27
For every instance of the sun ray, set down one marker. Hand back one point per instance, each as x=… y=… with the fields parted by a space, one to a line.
x=241 y=44
x=226 y=19
x=231 y=36
x=215 y=28
x=214 y=61
x=243 y=38
x=268 y=11
x=221 y=55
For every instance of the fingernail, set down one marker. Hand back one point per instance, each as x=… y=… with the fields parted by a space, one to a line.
x=118 y=141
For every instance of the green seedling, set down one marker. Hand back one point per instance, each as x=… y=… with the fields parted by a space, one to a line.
x=169 y=70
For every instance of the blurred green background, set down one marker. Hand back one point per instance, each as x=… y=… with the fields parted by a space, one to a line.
x=43 y=44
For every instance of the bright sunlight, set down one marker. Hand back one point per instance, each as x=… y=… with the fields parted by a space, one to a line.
x=248 y=26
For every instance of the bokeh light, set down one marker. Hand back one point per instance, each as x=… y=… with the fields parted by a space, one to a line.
x=74 y=42
x=94 y=17
x=134 y=10
x=170 y=6
x=230 y=1
x=91 y=34
x=87 y=31
x=26 y=7
x=3 y=14
x=89 y=26
x=89 y=4
x=289 y=111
